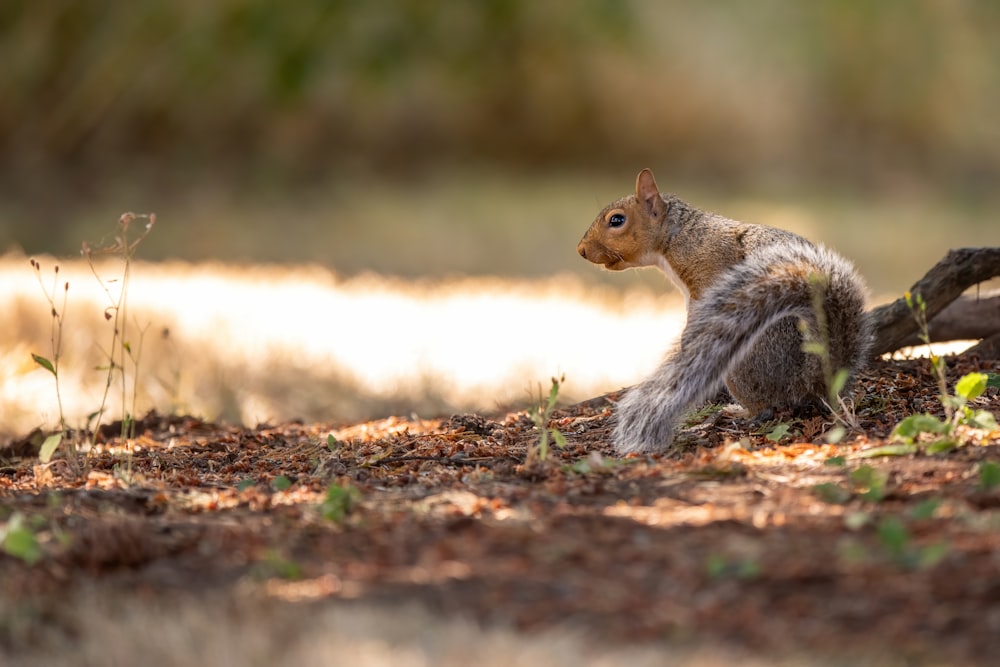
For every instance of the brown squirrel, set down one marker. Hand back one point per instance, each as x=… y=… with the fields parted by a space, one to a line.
x=747 y=288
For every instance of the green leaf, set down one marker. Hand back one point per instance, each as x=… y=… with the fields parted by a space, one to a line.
x=778 y=432
x=49 y=447
x=716 y=566
x=889 y=450
x=44 y=363
x=926 y=509
x=870 y=482
x=281 y=483
x=20 y=542
x=989 y=475
x=971 y=386
x=558 y=438
x=908 y=429
x=836 y=461
x=331 y=442
x=932 y=554
x=245 y=484
x=283 y=567
x=748 y=569
x=993 y=380
x=982 y=419
x=941 y=446
x=339 y=501
x=894 y=536
x=553 y=393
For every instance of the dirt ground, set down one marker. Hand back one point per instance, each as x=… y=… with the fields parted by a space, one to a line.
x=794 y=550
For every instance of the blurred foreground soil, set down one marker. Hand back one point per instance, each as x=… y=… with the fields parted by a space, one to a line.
x=794 y=550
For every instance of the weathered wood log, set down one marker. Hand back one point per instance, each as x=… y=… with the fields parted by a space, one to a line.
x=969 y=317
x=945 y=282
x=988 y=348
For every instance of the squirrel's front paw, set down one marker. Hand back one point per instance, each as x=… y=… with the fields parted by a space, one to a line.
x=641 y=428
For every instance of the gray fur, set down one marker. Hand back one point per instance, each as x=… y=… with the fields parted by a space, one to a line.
x=743 y=330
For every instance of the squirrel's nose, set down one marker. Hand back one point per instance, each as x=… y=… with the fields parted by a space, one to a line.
x=583 y=251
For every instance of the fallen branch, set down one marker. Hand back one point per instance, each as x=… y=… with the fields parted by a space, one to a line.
x=988 y=348
x=969 y=317
x=945 y=282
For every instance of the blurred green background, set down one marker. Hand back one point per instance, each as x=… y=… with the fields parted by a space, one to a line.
x=428 y=138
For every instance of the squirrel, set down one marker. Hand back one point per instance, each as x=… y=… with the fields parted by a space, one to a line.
x=751 y=292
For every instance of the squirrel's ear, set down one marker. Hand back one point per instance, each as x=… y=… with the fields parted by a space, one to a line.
x=648 y=194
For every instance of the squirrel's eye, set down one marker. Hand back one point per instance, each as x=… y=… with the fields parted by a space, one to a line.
x=616 y=220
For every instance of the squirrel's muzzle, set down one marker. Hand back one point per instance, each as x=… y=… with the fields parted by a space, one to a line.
x=594 y=251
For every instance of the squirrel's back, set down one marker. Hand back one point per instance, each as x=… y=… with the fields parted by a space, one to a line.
x=767 y=299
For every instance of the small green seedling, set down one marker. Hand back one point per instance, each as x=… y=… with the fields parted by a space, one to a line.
x=277 y=565
x=942 y=433
x=718 y=567
x=339 y=502
x=913 y=426
x=540 y=417
x=926 y=509
x=19 y=540
x=919 y=428
x=122 y=354
x=894 y=536
x=58 y=312
x=989 y=475
x=866 y=483
x=869 y=483
x=897 y=541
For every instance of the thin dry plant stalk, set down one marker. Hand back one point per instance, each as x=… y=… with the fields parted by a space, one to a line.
x=121 y=348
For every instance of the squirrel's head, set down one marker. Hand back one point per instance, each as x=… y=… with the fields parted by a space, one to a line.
x=627 y=232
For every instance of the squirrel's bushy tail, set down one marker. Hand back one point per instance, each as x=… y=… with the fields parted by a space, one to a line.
x=725 y=323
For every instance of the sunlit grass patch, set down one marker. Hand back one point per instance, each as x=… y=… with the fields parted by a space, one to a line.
x=267 y=343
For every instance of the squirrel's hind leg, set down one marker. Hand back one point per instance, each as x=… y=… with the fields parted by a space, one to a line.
x=777 y=374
